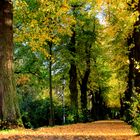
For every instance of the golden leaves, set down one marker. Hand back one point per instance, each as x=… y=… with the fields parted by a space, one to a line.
x=33 y=23
x=23 y=79
x=20 y=4
x=47 y=23
x=111 y=31
x=100 y=2
x=64 y=8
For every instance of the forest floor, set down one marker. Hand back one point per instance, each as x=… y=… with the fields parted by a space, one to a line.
x=99 y=130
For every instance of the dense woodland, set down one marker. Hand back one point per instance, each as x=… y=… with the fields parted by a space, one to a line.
x=74 y=61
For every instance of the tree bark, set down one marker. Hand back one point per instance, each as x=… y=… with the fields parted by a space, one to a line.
x=51 y=121
x=129 y=91
x=136 y=53
x=73 y=79
x=9 y=109
x=84 y=83
x=99 y=110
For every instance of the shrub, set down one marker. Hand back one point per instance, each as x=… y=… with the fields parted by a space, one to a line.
x=135 y=112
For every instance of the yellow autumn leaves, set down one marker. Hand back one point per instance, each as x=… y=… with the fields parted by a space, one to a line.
x=46 y=23
x=23 y=79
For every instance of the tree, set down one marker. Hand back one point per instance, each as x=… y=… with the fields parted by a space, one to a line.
x=9 y=109
x=66 y=33
x=116 y=31
x=73 y=79
x=133 y=88
x=80 y=49
x=51 y=121
x=85 y=40
x=126 y=38
x=45 y=22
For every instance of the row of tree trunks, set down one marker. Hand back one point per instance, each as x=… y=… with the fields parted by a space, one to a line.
x=9 y=110
x=134 y=73
x=99 y=111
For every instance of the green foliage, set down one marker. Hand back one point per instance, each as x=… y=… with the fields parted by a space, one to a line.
x=35 y=113
x=37 y=23
x=135 y=112
x=70 y=118
x=136 y=123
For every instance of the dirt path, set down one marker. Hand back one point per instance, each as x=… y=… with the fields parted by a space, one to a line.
x=99 y=130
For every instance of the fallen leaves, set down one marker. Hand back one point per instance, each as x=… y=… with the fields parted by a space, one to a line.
x=99 y=130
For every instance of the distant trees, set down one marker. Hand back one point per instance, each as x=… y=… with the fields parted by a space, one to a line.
x=126 y=37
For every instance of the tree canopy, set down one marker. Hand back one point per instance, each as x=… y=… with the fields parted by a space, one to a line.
x=76 y=60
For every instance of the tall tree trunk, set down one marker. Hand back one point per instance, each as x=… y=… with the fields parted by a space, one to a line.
x=73 y=91
x=51 y=119
x=129 y=91
x=84 y=83
x=136 y=53
x=9 y=109
x=73 y=79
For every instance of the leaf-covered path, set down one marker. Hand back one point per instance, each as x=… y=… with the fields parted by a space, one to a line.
x=99 y=130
